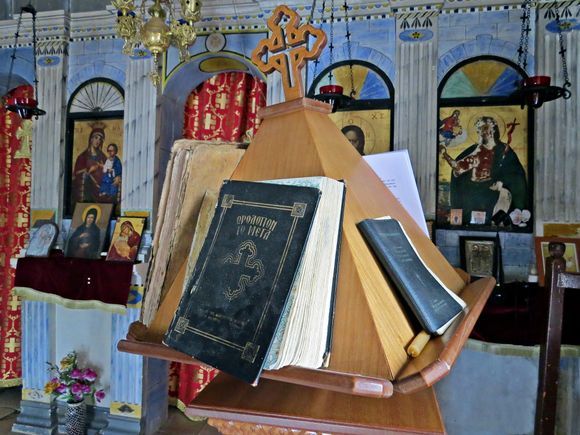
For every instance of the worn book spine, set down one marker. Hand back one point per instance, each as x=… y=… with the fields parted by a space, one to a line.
x=434 y=305
x=334 y=283
x=231 y=307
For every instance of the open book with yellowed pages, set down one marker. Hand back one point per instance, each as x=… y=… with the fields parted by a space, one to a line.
x=193 y=168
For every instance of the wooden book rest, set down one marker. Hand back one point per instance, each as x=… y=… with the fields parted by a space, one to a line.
x=371 y=329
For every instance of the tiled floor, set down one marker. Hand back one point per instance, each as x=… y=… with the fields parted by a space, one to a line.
x=177 y=423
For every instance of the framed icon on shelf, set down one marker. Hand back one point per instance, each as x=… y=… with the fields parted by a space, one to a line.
x=42 y=239
x=88 y=230
x=570 y=246
x=126 y=239
x=479 y=255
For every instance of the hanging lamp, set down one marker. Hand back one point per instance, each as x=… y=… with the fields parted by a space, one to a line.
x=332 y=93
x=157 y=27
x=25 y=107
x=536 y=90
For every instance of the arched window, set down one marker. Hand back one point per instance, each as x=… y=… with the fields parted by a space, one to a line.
x=484 y=179
x=370 y=116
x=94 y=137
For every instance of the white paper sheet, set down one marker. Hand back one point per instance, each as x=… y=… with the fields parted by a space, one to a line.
x=395 y=171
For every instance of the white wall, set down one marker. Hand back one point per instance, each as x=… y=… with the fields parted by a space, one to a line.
x=89 y=333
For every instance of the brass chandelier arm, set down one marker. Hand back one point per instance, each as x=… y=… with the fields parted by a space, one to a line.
x=156 y=33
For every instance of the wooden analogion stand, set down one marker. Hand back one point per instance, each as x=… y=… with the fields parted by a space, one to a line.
x=371 y=385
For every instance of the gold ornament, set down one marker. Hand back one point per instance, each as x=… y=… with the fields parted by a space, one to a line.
x=24 y=133
x=154 y=33
x=184 y=36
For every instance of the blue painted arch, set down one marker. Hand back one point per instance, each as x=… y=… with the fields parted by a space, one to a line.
x=92 y=71
x=22 y=71
x=482 y=45
x=360 y=53
x=187 y=76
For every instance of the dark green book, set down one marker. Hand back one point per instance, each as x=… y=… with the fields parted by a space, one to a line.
x=434 y=305
x=231 y=308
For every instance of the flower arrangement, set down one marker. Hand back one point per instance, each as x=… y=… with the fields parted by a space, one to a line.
x=72 y=383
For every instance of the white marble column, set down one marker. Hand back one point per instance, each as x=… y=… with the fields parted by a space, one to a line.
x=126 y=375
x=36 y=408
x=557 y=136
x=47 y=155
x=275 y=92
x=48 y=140
x=139 y=385
x=139 y=136
x=139 y=156
x=416 y=101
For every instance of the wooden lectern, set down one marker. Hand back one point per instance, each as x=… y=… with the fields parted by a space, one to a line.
x=369 y=363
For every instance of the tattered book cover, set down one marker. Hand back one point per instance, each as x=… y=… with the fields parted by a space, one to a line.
x=232 y=304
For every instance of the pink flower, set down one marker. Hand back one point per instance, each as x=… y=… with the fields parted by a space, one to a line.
x=89 y=375
x=76 y=374
x=76 y=389
x=99 y=395
x=61 y=389
x=86 y=389
x=77 y=397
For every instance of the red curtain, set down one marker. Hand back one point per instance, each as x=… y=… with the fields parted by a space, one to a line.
x=14 y=221
x=224 y=108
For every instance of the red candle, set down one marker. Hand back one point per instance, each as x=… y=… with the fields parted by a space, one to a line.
x=537 y=81
x=331 y=89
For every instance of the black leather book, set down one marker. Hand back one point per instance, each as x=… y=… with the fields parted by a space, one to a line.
x=434 y=305
x=228 y=315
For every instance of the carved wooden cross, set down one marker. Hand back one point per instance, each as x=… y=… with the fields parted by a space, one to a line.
x=289 y=52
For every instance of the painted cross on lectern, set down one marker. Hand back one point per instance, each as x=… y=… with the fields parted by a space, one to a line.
x=288 y=49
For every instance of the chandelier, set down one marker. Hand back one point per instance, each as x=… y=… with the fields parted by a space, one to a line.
x=160 y=29
x=535 y=90
x=25 y=107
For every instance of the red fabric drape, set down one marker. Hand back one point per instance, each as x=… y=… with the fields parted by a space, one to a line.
x=224 y=108
x=14 y=221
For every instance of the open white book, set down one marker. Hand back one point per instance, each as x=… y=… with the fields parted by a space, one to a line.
x=303 y=335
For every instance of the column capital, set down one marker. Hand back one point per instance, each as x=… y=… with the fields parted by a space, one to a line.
x=54 y=47
x=411 y=18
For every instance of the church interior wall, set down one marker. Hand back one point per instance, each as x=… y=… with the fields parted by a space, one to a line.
x=459 y=35
x=22 y=71
x=95 y=58
x=467 y=35
x=373 y=40
x=91 y=341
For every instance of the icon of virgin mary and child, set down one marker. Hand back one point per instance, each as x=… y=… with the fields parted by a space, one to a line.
x=96 y=175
